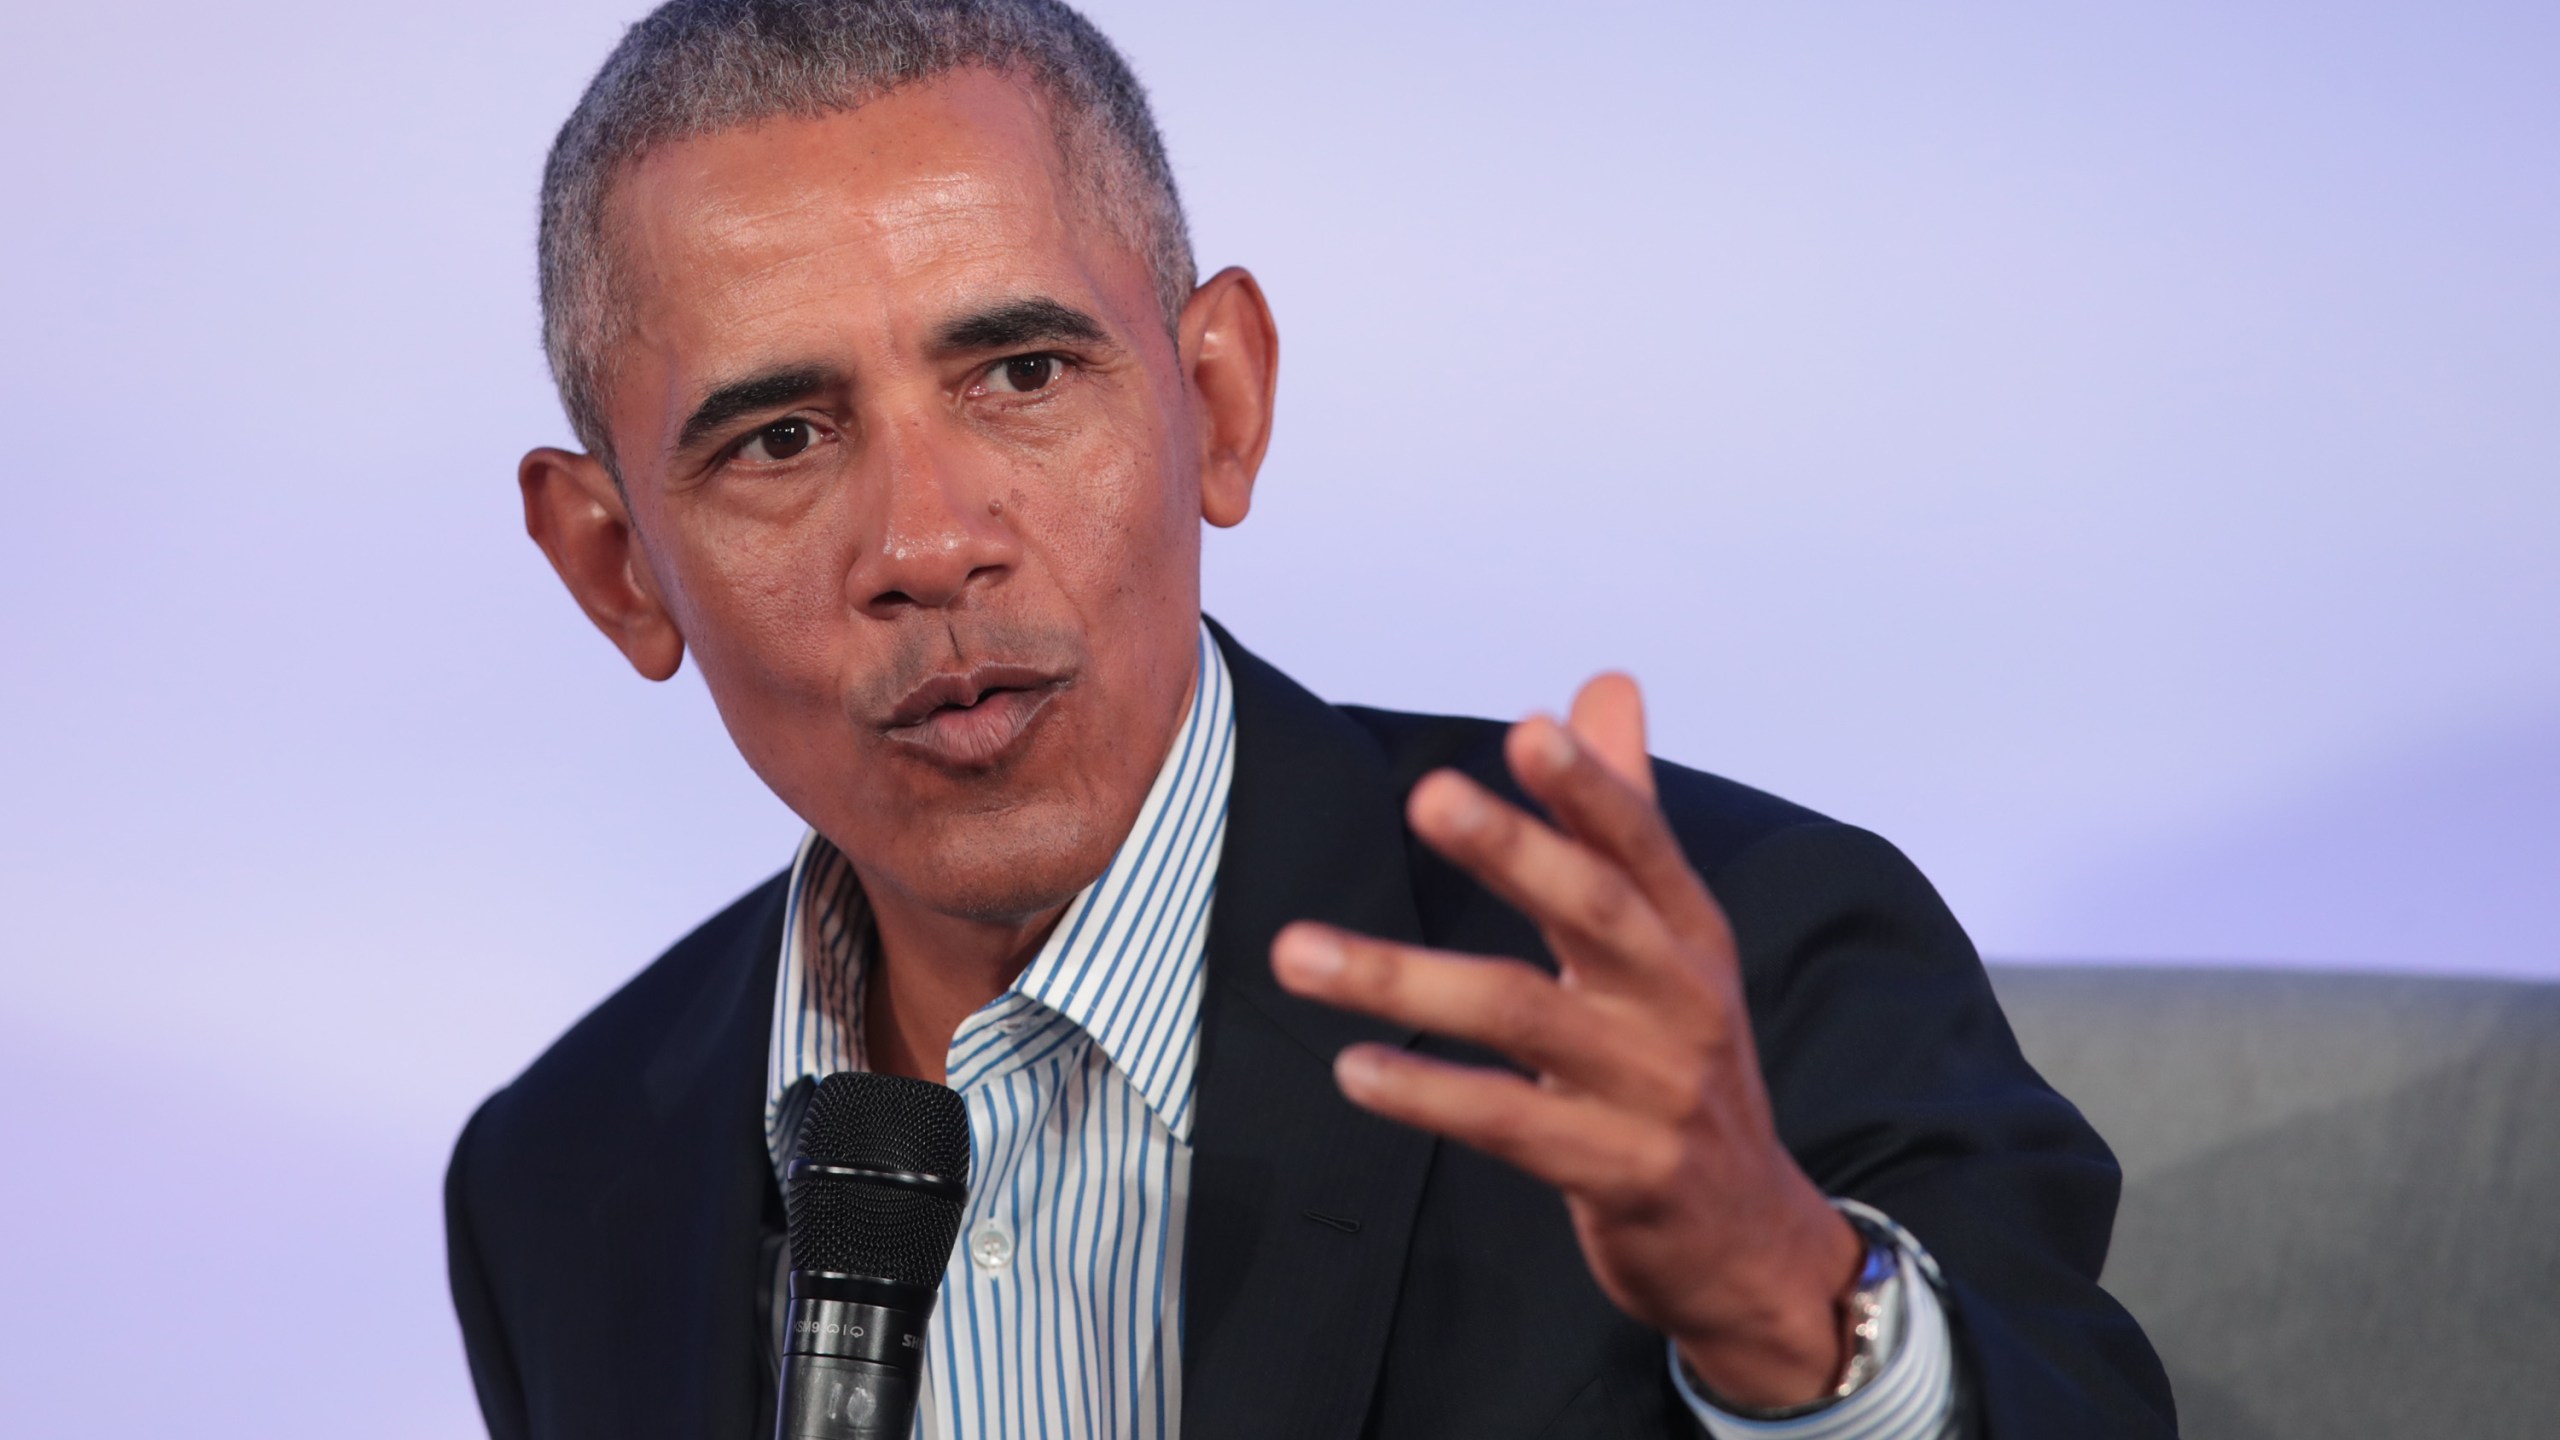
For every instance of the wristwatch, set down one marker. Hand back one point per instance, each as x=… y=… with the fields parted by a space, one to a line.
x=1871 y=1318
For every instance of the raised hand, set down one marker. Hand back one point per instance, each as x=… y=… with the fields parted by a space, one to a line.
x=1647 y=1109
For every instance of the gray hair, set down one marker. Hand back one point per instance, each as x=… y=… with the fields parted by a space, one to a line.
x=698 y=67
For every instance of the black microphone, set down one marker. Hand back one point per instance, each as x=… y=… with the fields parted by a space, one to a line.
x=875 y=1197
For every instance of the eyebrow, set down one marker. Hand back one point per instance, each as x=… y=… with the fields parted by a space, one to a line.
x=1017 y=323
x=745 y=397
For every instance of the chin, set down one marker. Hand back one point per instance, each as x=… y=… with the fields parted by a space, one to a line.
x=1007 y=870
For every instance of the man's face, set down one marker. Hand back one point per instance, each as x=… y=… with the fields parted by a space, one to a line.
x=916 y=474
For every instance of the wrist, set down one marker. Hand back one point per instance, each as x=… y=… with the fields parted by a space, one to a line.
x=1868 y=1320
x=1789 y=1342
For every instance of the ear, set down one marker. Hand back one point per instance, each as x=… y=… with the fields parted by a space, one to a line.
x=577 y=514
x=1231 y=356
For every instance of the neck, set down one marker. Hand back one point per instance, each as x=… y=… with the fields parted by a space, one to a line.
x=932 y=971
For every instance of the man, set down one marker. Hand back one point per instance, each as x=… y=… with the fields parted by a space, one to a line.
x=1331 y=1072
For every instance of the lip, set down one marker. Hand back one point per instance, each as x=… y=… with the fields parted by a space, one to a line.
x=972 y=718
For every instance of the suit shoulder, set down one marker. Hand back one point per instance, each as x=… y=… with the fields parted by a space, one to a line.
x=594 y=1064
x=1715 y=818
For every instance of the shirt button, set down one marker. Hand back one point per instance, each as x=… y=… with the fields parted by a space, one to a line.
x=990 y=1245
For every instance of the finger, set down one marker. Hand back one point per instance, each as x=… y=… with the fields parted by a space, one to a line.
x=1608 y=716
x=1576 y=1143
x=1590 y=907
x=1597 y=806
x=1503 y=1005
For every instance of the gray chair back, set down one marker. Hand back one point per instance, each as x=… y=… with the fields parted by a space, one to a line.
x=2342 y=1192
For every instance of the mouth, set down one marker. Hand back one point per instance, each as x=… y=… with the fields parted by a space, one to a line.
x=971 y=719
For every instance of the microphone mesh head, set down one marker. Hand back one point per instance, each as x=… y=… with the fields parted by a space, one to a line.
x=859 y=1227
x=887 y=1122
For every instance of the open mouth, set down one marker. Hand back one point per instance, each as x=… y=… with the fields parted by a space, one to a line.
x=972 y=719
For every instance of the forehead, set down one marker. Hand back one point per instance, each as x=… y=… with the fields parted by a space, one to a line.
x=885 y=217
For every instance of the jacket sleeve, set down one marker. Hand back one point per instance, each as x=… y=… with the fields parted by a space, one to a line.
x=1896 y=1081
x=484 y=1340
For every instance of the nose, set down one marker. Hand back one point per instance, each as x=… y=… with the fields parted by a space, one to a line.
x=939 y=533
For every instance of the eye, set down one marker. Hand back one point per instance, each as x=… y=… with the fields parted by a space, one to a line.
x=1025 y=373
x=778 y=441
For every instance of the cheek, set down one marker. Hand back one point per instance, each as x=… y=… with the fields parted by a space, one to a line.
x=763 y=611
x=1113 y=518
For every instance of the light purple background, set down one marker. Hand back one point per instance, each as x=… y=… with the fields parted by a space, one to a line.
x=2111 y=450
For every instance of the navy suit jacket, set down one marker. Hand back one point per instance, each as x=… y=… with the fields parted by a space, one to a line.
x=606 y=1211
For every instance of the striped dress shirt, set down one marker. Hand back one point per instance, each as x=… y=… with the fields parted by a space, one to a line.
x=1061 y=1312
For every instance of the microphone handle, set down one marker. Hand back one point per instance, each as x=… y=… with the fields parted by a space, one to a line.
x=851 y=1367
x=826 y=1397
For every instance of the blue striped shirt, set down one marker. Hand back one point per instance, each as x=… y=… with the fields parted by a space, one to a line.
x=1061 y=1310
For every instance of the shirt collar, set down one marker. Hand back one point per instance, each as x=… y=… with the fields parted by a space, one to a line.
x=1123 y=964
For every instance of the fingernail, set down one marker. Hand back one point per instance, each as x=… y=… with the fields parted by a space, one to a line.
x=1555 y=745
x=1313 y=954
x=1359 y=1069
x=1464 y=810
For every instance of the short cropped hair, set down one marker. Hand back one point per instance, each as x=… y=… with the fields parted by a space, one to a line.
x=698 y=67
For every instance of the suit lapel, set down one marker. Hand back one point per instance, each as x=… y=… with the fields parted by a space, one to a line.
x=1301 y=1204
x=690 y=1207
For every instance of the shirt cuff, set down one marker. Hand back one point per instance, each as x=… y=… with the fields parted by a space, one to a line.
x=1911 y=1398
